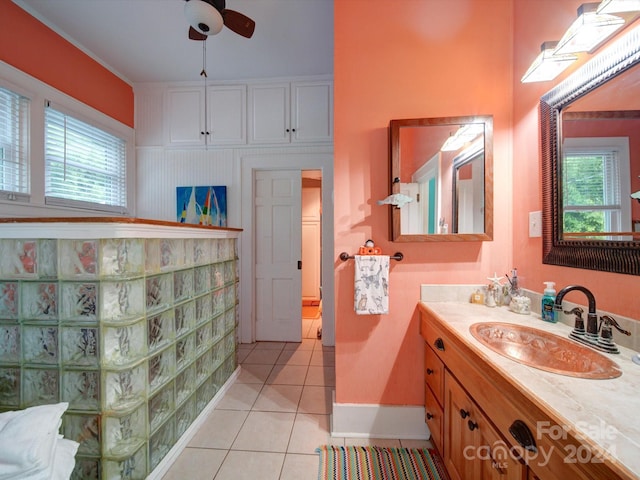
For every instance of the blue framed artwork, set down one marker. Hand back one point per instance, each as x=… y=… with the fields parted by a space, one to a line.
x=202 y=205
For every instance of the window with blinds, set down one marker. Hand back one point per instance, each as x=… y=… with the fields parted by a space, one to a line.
x=14 y=143
x=84 y=166
x=591 y=191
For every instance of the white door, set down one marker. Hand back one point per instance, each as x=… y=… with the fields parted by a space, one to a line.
x=278 y=251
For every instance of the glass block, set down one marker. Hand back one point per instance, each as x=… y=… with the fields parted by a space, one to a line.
x=203 y=338
x=218 y=378
x=185 y=415
x=201 y=251
x=18 y=258
x=78 y=259
x=122 y=257
x=171 y=253
x=84 y=429
x=218 y=302
x=183 y=285
x=229 y=272
x=123 y=434
x=204 y=309
x=133 y=467
x=9 y=300
x=217 y=328
x=86 y=469
x=161 y=442
x=39 y=300
x=185 y=351
x=185 y=383
x=9 y=387
x=217 y=274
x=229 y=320
x=229 y=296
x=123 y=344
x=40 y=386
x=162 y=368
x=159 y=292
x=188 y=246
x=121 y=301
x=9 y=343
x=185 y=317
x=202 y=279
x=161 y=406
x=79 y=301
x=160 y=330
x=81 y=388
x=229 y=344
x=79 y=346
x=218 y=354
x=229 y=366
x=40 y=344
x=125 y=388
x=152 y=255
x=204 y=366
x=204 y=394
x=47 y=258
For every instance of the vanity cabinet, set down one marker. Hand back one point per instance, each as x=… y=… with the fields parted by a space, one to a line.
x=480 y=408
x=291 y=112
x=222 y=122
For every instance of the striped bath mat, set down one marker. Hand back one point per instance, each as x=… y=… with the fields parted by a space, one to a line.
x=377 y=463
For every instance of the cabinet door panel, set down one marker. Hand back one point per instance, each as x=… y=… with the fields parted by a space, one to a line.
x=459 y=439
x=434 y=373
x=185 y=116
x=269 y=110
x=227 y=118
x=434 y=418
x=312 y=112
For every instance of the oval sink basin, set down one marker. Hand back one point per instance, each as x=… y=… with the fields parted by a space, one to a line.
x=545 y=351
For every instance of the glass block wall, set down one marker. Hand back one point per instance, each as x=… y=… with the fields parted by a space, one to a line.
x=137 y=334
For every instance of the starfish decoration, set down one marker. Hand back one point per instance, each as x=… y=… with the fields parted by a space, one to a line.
x=495 y=279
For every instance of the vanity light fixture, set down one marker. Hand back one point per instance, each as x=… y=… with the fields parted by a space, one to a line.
x=547 y=65
x=618 y=6
x=463 y=135
x=588 y=31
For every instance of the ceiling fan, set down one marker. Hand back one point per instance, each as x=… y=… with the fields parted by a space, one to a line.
x=207 y=17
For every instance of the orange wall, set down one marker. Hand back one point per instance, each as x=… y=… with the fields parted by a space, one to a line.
x=409 y=59
x=535 y=22
x=28 y=45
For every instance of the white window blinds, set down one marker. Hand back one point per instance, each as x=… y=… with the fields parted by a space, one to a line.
x=14 y=142
x=84 y=165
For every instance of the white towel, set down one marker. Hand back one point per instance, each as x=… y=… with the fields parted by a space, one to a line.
x=371 y=282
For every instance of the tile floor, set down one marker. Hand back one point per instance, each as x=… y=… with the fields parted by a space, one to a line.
x=272 y=418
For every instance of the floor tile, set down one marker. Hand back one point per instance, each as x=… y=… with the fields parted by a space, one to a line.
x=323 y=358
x=196 y=464
x=240 y=465
x=321 y=376
x=309 y=432
x=254 y=373
x=300 y=467
x=278 y=398
x=372 y=442
x=288 y=375
x=295 y=357
x=262 y=356
x=265 y=432
x=270 y=345
x=316 y=400
x=305 y=344
x=416 y=443
x=239 y=396
x=220 y=429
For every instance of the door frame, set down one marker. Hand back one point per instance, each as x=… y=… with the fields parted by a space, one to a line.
x=285 y=161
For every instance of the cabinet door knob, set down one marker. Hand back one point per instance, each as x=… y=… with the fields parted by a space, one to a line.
x=472 y=425
x=439 y=344
x=293 y=129
x=201 y=133
x=429 y=416
x=429 y=371
x=287 y=130
x=464 y=413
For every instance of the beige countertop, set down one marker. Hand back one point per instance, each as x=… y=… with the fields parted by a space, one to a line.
x=603 y=412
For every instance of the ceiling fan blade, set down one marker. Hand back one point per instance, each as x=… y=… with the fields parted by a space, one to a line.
x=196 y=35
x=239 y=23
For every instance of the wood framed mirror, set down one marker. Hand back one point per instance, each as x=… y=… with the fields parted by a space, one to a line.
x=579 y=228
x=450 y=187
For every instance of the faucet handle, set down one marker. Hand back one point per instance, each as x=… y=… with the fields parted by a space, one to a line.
x=607 y=320
x=577 y=311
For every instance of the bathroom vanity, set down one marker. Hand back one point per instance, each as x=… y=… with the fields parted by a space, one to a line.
x=132 y=322
x=566 y=427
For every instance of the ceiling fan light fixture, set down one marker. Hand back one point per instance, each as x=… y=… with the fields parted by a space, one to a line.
x=203 y=17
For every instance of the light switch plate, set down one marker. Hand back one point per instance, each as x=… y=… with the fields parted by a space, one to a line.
x=535 y=224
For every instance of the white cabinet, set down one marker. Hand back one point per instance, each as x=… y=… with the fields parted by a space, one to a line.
x=291 y=112
x=195 y=119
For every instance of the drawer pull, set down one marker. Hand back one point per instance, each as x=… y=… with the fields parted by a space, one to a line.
x=472 y=425
x=429 y=416
x=439 y=344
x=523 y=436
x=429 y=371
x=464 y=413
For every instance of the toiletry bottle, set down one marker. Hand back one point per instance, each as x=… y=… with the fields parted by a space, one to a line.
x=548 y=310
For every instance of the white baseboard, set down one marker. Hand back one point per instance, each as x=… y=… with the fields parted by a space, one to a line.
x=163 y=467
x=378 y=421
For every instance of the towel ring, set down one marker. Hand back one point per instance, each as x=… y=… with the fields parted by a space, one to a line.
x=344 y=256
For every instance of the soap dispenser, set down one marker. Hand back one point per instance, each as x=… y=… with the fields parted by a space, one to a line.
x=548 y=311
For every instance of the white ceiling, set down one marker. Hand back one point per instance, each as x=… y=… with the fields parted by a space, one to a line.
x=146 y=40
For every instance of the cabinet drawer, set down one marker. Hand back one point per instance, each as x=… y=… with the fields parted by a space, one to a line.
x=434 y=373
x=434 y=418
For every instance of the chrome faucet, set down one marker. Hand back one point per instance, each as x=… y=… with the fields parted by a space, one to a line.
x=591 y=334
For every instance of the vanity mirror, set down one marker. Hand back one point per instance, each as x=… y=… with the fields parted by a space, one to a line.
x=450 y=186
x=590 y=134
